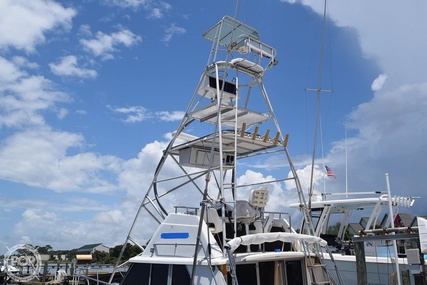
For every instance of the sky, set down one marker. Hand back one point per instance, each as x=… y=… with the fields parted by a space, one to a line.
x=91 y=91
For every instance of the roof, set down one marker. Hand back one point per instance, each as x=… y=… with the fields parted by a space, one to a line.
x=88 y=247
x=228 y=30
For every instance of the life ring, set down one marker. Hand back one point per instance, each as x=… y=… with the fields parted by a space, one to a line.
x=30 y=258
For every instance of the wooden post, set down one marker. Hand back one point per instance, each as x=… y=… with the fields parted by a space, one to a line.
x=406 y=277
x=359 y=250
x=45 y=271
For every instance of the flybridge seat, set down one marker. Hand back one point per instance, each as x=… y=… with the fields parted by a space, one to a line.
x=247 y=66
x=245 y=212
x=259 y=198
x=248 y=212
x=242 y=64
x=249 y=44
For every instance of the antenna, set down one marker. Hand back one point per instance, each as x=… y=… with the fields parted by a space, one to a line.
x=346 y=164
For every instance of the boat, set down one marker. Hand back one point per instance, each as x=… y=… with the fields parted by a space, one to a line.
x=203 y=225
x=369 y=238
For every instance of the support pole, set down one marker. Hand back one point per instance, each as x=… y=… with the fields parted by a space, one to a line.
x=390 y=207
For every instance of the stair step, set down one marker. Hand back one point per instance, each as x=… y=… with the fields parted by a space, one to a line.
x=317 y=265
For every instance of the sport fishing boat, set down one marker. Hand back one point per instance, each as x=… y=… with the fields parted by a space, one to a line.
x=208 y=226
x=370 y=239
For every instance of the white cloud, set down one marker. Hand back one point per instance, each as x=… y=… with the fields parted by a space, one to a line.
x=391 y=138
x=104 y=45
x=44 y=162
x=378 y=83
x=129 y=3
x=134 y=114
x=173 y=31
x=68 y=67
x=9 y=73
x=170 y=116
x=24 y=62
x=24 y=23
x=156 y=14
x=23 y=96
x=155 y=9
x=387 y=134
x=62 y=113
x=395 y=39
x=112 y=218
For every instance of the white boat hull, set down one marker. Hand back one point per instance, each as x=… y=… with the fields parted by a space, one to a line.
x=379 y=269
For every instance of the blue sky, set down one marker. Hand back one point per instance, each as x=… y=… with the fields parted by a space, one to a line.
x=91 y=91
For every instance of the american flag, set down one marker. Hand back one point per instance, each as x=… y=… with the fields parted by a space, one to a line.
x=398 y=221
x=329 y=172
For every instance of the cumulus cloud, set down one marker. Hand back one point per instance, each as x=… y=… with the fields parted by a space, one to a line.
x=44 y=163
x=155 y=9
x=104 y=45
x=62 y=113
x=112 y=218
x=24 y=96
x=24 y=23
x=173 y=31
x=134 y=114
x=378 y=83
x=23 y=62
x=128 y=3
x=170 y=116
x=67 y=66
x=387 y=133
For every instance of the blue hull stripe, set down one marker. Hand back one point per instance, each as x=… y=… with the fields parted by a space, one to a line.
x=174 y=235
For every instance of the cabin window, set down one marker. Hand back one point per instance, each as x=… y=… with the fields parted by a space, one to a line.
x=246 y=274
x=180 y=275
x=270 y=273
x=294 y=270
x=156 y=274
x=159 y=274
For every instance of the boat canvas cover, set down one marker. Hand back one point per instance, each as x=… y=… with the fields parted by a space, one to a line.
x=271 y=237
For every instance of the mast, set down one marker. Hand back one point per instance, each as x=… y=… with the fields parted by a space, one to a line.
x=318 y=91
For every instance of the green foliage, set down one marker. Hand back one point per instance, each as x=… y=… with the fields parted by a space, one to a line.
x=333 y=229
x=130 y=251
x=97 y=257
x=44 y=249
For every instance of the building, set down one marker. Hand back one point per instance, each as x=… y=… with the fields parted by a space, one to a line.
x=91 y=248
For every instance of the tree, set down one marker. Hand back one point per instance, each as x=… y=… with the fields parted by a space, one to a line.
x=130 y=251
